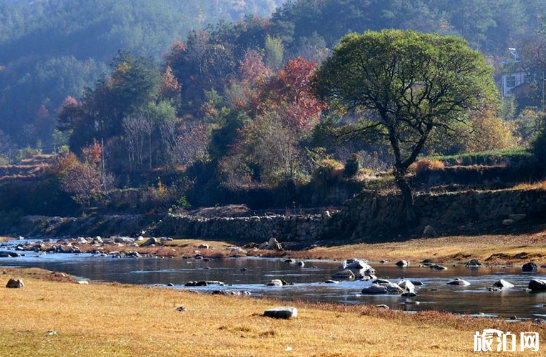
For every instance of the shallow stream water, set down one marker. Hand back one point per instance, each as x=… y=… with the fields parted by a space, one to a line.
x=253 y=273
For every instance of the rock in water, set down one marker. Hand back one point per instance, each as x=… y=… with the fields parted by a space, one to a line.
x=407 y=285
x=529 y=267
x=537 y=285
x=458 y=282
x=473 y=263
x=375 y=289
x=503 y=284
x=281 y=312
x=402 y=263
x=275 y=282
x=196 y=283
x=344 y=275
x=383 y=288
x=9 y=255
x=15 y=284
x=231 y=292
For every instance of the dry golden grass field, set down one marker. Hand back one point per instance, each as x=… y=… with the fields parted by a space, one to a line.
x=119 y=320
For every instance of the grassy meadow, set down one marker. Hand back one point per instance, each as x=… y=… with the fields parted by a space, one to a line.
x=54 y=316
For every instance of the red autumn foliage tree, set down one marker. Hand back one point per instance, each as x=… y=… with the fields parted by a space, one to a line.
x=290 y=92
x=253 y=69
x=170 y=88
x=92 y=153
x=253 y=72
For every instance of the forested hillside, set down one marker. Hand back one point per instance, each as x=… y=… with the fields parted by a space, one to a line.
x=53 y=48
x=166 y=97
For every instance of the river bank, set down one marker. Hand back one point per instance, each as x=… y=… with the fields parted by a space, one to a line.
x=494 y=249
x=59 y=316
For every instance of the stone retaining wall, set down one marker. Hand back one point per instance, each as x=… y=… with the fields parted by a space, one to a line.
x=363 y=218
x=371 y=219
x=255 y=228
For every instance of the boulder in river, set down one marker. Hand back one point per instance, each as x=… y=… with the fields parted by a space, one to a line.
x=275 y=282
x=385 y=288
x=9 y=255
x=359 y=267
x=406 y=285
x=537 y=285
x=344 y=275
x=503 y=284
x=231 y=292
x=375 y=289
x=15 y=284
x=473 y=263
x=530 y=267
x=357 y=264
x=402 y=263
x=204 y=283
x=458 y=282
x=282 y=312
x=438 y=267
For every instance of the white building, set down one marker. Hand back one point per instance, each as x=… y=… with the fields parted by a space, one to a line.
x=511 y=81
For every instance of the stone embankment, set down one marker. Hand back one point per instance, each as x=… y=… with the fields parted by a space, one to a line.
x=362 y=218
x=253 y=229
x=371 y=219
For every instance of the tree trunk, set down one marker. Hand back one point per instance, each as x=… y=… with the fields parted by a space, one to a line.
x=407 y=198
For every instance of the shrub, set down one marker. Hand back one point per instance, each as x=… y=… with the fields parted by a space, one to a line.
x=352 y=166
x=327 y=170
x=425 y=165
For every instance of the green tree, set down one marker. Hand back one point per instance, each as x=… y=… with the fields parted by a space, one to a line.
x=274 y=52
x=409 y=84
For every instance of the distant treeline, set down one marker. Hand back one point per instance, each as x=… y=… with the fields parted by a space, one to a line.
x=52 y=49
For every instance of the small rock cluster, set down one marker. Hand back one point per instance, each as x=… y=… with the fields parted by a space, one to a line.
x=94 y=245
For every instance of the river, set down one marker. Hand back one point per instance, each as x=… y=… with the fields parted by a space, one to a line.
x=252 y=274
